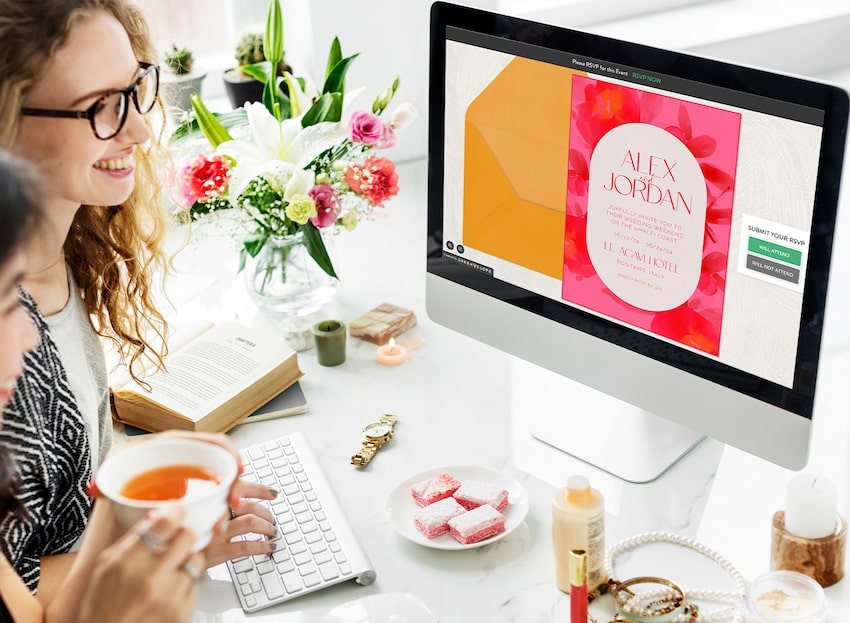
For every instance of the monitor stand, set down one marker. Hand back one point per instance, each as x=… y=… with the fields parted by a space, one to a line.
x=609 y=434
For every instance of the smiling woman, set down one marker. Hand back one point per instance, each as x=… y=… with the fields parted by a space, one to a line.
x=78 y=90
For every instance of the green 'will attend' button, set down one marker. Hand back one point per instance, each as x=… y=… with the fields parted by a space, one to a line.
x=775 y=251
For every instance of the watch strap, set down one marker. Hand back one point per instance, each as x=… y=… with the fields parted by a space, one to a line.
x=370 y=448
x=366 y=453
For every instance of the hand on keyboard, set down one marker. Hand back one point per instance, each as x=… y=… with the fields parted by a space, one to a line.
x=316 y=546
x=251 y=518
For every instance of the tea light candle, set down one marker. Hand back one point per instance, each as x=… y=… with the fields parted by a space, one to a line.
x=812 y=507
x=391 y=354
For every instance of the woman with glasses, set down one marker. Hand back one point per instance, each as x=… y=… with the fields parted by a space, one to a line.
x=76 y=83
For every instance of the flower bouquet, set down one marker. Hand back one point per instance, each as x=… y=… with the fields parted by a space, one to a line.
x=292 y=170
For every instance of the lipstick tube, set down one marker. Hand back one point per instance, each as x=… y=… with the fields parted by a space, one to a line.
x=578 y=586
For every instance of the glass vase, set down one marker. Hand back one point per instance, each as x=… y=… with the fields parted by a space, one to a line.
x=285 y=279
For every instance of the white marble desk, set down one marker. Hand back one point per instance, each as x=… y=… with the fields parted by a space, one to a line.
x=453 y=401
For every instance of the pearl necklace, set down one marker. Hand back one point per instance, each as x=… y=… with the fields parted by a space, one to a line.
x=734 y=611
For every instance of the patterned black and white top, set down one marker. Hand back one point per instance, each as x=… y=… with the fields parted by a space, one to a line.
x=44 y=432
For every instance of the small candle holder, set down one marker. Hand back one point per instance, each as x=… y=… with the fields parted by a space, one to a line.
x=330 y=342
x=821 y=559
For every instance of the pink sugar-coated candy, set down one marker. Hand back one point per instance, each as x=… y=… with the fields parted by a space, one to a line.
x=474 y=493
x=433 y=489
x=433 y=520
x=476 y=525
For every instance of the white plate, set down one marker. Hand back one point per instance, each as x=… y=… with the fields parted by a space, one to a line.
x=401 y=507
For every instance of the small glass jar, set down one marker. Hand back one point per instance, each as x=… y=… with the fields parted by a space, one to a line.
x=785 y=597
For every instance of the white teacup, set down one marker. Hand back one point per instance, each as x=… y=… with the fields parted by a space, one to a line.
x=203 y=510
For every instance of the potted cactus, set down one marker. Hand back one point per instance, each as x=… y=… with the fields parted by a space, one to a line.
x=240 y=86
x=179 y=81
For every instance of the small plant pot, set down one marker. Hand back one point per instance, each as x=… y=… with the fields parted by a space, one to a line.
x=177 y=91
x=241 y=88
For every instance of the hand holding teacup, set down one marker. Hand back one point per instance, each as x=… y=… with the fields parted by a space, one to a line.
x=165 y=470
x=199 y=472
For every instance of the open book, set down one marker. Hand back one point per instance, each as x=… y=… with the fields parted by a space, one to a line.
x=212 y=382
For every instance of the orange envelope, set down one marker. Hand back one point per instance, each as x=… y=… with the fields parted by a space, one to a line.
x=515 y=179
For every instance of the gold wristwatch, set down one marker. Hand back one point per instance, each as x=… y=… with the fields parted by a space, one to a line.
x=375 y=435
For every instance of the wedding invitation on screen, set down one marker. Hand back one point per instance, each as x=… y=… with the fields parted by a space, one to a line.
x=667 y=211
x=650 y=187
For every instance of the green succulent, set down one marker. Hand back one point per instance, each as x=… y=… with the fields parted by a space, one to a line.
x=179 y=60
x=249 y=49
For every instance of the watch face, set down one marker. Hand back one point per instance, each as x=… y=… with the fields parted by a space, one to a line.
x=377 y=429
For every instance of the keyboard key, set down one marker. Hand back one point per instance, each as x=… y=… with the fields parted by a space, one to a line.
x=328 y=571
x=292 y=582
x=272 y=585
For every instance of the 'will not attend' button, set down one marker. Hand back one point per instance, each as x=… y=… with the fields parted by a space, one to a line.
x=780 y=271
x=775 y=251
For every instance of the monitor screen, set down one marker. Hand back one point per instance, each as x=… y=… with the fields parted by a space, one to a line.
x=654 y=225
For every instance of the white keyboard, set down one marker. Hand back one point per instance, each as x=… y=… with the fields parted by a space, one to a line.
x=316 y=547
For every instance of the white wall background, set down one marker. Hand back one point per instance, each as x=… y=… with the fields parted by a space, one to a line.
x=807 y=38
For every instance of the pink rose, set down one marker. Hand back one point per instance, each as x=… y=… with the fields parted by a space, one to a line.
x=327 y=205
x=366 y=128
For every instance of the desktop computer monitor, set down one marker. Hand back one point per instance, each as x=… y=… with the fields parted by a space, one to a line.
x=651 y=225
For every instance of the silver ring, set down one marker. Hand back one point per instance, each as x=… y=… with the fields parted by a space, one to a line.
x=191 y=570
x=232 y=513
x=151 y=540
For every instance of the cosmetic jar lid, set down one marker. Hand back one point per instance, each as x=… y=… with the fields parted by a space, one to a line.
x=785 y=597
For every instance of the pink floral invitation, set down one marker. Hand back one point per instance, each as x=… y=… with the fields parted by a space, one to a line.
x=649 y=202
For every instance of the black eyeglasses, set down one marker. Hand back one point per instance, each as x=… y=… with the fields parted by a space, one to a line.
x=109 y=113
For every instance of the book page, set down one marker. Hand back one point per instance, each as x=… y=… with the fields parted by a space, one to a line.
x=213 y=368
x=181 y=331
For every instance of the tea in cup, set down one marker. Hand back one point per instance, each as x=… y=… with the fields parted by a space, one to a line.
x=148 y=474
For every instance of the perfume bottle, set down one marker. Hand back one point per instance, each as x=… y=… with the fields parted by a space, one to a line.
x=578 y=522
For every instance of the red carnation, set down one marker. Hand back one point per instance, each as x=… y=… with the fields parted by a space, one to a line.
x=205 y=178
x=376 y=179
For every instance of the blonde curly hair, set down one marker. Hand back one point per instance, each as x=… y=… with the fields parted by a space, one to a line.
x=115 y=253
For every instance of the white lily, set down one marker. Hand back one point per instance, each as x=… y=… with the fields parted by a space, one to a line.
x=272 y=143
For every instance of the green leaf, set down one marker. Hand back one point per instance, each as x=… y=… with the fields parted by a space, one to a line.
x=334 y=56
x=254 y=245
x=326 y=108
x=261 y=71
x=316 y=248
x=231 y=119
x=335 y=82
x=293 y=87
x=273 y=39
x=275 y=100
x=211 y=127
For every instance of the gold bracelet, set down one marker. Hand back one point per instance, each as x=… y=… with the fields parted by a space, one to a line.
x=664 y=603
